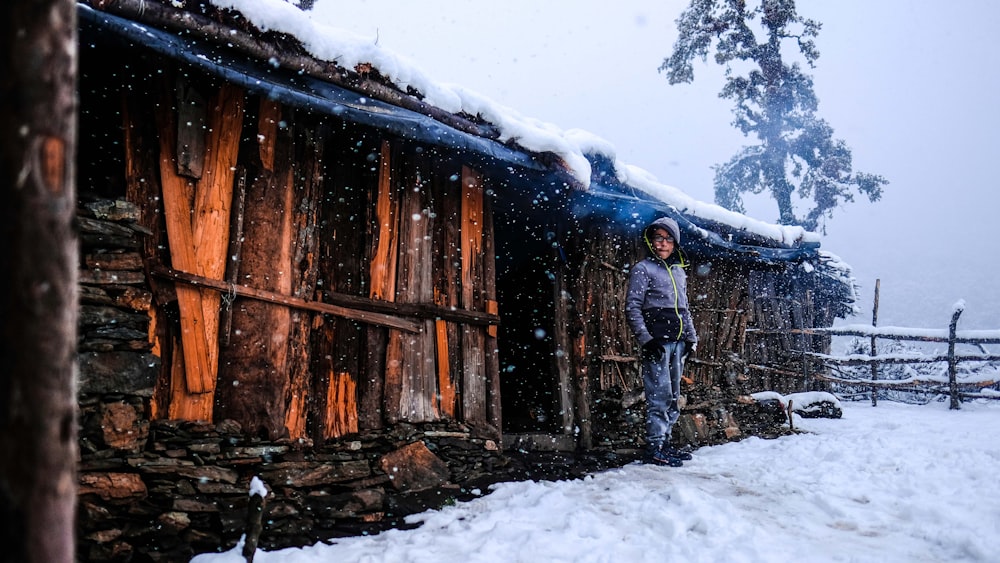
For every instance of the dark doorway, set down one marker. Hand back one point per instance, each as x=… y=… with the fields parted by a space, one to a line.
x=525 y=292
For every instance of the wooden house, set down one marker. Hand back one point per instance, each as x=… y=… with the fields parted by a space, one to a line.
x=297 y=270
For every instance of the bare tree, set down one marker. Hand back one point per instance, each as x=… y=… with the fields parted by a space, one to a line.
x=38 y=265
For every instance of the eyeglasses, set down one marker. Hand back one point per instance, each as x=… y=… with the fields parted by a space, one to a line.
x=658 y=238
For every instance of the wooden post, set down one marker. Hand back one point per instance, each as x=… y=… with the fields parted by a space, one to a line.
x=952 y=364
x=38 y=289
x=254 y=524
x=494 y=406
x=563 y=346
x=874 y=365
x=258 y=357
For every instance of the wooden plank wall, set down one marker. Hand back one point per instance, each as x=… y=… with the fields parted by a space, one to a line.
x=599 y=294
x=779 y=304
x=301 y=209
x=720 y=306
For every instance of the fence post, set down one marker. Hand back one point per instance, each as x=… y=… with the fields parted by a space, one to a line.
x=952 y=364
x=873 y=352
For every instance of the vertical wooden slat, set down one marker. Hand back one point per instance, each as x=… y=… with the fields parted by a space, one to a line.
x=446 y=390
x=418 y=393
x=342 y=397
x=383 y=282
x=383 y=265
x=177 y=212
x=257 y=359
x=563 y=347
x=267 y=132
x=447 y=293
x=342 y=345
x=491 y=347
x=305 y=271
x=474 y=383
x=213 y=202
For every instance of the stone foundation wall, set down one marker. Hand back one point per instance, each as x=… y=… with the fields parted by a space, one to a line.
x=163 y=491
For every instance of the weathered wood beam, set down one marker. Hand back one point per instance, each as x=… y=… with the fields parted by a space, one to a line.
x=834 y=331
x=177 y=211
x=368 y=317
x=890 y=384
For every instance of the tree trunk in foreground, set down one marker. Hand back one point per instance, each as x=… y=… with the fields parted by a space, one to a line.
x=38 y=266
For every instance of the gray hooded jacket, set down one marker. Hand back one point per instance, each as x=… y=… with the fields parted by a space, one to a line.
x=656 y=304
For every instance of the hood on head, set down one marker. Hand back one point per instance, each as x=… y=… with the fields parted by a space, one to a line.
x=667 y=224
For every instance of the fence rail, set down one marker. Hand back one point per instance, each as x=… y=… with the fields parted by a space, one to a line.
x=873 y=359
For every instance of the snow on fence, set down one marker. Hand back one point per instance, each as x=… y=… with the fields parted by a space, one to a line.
x=952 y=336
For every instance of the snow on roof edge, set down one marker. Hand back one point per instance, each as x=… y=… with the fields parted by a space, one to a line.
x=349 y=49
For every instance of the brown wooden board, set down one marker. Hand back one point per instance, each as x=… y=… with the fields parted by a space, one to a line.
x=418 y=392
x=199 y=377
x=257 y=360
x=474 y=378
x=383 y=282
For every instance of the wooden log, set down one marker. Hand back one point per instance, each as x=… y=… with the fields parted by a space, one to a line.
x=835 y=331
x=943 y=387
x=272 y=297
x=254 y=525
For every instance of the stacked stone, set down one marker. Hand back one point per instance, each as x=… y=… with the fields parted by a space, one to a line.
x=180 y=488
x=114 y=345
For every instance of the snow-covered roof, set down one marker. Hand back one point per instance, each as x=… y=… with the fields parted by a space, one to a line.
x=577 y=149
x=571 y=145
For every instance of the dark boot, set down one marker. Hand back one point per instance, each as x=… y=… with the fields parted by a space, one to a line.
x=656 y=456
x=671 y=451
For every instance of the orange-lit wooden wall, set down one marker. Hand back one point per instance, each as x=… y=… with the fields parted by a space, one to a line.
x=312 y=278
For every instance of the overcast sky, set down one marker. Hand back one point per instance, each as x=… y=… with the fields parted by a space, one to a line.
x=910 y=85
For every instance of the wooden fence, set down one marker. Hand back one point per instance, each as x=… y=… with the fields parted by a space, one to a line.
x=875 y=360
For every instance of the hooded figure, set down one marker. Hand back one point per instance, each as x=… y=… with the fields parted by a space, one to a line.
x=656 y=307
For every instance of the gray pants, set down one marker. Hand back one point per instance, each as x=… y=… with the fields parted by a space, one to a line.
x=662 y=384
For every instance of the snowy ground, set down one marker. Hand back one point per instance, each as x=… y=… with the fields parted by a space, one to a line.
x=891 y=483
